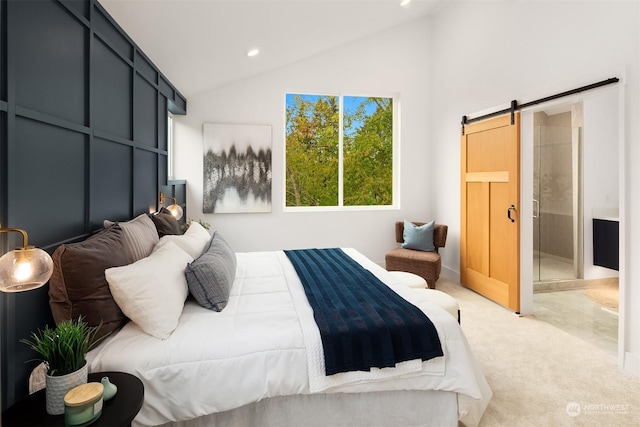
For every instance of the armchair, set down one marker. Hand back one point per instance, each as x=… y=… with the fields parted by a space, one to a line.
x=425 y=264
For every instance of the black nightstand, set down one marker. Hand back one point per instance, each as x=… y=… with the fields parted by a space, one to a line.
x=118 y=411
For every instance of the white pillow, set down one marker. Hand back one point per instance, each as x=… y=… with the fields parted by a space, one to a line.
x=151 y=292
x=192 y=241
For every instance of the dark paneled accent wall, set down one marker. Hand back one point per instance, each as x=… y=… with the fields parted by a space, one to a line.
x=83 y=138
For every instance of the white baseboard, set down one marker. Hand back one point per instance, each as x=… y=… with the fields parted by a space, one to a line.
x=450 y=274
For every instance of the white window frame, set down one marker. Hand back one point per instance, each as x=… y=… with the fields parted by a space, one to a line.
x=395 y=204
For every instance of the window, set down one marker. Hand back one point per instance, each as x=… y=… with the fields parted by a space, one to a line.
x=339 y=150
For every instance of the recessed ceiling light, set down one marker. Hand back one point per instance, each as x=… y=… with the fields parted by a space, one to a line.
x=253 y=52
x=405 y=2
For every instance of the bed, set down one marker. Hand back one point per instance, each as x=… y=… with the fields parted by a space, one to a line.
x=259 y=361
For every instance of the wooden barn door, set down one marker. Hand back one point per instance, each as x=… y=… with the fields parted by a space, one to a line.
x=490 y=202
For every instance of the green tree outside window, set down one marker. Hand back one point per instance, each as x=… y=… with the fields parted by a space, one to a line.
x=313 y=150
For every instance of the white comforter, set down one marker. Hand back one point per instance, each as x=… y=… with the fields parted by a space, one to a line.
x=265 y=343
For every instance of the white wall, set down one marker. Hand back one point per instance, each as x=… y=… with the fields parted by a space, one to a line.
x=487 y=53
x=392 y=63
x=600 y=162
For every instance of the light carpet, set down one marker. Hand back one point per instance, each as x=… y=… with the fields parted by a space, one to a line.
x=540 y=375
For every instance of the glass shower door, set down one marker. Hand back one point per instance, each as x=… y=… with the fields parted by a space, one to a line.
x=536 y=202
x=555 y=197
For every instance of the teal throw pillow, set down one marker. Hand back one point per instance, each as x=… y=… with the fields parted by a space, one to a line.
x=418 y=237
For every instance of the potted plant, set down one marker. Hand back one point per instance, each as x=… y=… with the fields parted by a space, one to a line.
x=184 y=227
x=63 y=350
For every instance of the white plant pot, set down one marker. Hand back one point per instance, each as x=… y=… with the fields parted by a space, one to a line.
x=57 y=387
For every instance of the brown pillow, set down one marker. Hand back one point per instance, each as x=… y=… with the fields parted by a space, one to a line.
x=139 y=237
x=78 y=286
x=165 y=223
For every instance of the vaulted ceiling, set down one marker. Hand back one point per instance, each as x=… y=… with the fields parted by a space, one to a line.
x=202 y=44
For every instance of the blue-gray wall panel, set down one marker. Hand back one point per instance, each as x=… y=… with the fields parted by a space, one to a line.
x=145 y=177
x=163 y=125
x=79 y=6
x=145 y=68
x=46 y=174
x=145 y=127
x=165 y=88
x=112 y=91
x=49 y=47
x=111 y=182
x=113 y=36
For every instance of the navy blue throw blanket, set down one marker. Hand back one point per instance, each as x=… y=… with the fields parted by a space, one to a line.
x=363 y=323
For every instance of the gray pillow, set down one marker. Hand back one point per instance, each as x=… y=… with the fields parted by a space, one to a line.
x=211 y=275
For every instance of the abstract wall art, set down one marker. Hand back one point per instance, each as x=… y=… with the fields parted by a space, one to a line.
x=237 y=168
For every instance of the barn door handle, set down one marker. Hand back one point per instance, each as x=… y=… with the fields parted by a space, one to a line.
x=511 y=208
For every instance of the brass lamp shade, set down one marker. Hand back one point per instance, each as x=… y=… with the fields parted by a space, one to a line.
x=24 y=268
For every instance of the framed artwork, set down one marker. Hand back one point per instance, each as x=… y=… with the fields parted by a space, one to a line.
x=237 y=168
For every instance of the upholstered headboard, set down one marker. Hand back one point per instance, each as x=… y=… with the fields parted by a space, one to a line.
x=83 y=138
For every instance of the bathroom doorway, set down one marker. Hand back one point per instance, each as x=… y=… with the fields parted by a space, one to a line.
x=574 y=181
x=557 y=196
